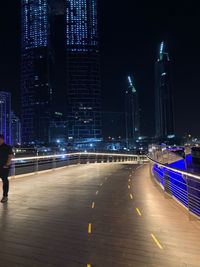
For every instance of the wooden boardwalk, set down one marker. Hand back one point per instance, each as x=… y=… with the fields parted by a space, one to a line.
x=95 y=215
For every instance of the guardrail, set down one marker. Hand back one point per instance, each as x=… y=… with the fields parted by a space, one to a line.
x=32 y=165
x=181 y=185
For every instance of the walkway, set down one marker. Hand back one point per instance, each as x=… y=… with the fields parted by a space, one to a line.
x=95 y=215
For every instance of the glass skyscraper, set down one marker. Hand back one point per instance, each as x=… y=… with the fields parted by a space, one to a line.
x=15 y=129
x=5 y=116
x=131 y=115
x=36 y=59
x=164 y=96
x=83 y=71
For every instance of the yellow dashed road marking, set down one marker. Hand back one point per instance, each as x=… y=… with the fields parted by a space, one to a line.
x=156 y=241
x=129 y=187
x=129 y=180
x=89 y=228
x=138 y=211
x=131 y=196
x=88 y=265
x=92 y=205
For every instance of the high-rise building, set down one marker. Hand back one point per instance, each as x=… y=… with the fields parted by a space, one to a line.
x=58 y=129
x=83 y=71
x=131 y=114
x=58 y=42
x=15 y=129
x=36 y=67
x=5 y=116
x=164 y=96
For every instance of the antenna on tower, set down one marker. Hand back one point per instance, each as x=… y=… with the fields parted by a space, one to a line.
x=131 y=84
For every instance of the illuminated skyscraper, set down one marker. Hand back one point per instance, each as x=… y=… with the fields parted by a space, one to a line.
x=36 y=59
x=83 y=71
x=131 y=114
x=164 y=98
x=5 y=116
x=15 y=129
x=58 y=42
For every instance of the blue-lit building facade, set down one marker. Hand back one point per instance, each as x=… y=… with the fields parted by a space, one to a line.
x=164 y=107
x=83 y=71
x=5 y=115
x=131 y=115
x=15 y=129
x=36 y=62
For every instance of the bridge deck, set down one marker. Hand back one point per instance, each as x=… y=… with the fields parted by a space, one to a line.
x=48 y=217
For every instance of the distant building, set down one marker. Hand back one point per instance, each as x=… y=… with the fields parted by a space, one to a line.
x=36 y=68
x=58 y=129
x=164 y=108
x=15 y=129
x=83 y=71
x=5 y=116
x=131 y=115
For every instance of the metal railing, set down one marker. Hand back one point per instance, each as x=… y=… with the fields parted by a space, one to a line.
x=181 y=185
x=34 y=164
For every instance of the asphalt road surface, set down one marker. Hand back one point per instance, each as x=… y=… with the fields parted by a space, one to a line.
x=104 y=214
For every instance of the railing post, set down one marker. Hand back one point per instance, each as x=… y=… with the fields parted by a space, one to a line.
x=36 y=163
x=13 y=166
x=188 y=196
x=167 y=182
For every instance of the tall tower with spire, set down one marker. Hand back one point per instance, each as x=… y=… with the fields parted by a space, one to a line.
x=131 y=114
x=164 y=108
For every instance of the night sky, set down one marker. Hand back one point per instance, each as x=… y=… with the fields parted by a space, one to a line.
x=130 y=36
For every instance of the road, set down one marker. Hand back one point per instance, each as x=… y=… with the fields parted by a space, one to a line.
x=95 y=215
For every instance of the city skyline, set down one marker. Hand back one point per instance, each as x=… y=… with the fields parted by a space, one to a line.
x=41 y=91
x=173 y=29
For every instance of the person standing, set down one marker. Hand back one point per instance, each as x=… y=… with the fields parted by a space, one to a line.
x=6 y=156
